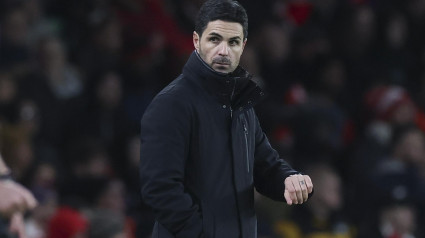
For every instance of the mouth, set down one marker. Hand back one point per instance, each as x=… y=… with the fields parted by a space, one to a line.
x=222 y=64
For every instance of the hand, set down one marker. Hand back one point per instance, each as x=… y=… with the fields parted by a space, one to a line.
x=297 y=188
x=14 y=199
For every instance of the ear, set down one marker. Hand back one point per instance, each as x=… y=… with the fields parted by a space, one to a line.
x=196 y=40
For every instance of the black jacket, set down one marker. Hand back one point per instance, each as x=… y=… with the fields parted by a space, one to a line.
x=203 y=152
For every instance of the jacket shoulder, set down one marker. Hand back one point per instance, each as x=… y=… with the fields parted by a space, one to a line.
x=173 y=100
x=179 y=89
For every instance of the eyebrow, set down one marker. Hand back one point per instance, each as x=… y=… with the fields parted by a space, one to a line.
x=218 y=35
x=215 y=34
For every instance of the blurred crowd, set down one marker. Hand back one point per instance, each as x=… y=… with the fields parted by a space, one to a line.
x=346 y=84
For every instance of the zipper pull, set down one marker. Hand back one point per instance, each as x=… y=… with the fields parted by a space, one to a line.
x=246 y=143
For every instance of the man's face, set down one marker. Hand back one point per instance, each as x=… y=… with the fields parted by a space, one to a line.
x=221 y=45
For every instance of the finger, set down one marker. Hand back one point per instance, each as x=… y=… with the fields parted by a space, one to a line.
x=287 y=197
x=17 y=225
x=16 y=204
x=30 y=201
x=299 y=196
x=27 y=200
x=309 y=183
x=289 y=187
x=303 y=187
x=9 y=210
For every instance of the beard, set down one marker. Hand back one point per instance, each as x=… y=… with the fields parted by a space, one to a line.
x=219 y=63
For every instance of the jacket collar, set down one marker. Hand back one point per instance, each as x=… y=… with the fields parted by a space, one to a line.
x=236 y=89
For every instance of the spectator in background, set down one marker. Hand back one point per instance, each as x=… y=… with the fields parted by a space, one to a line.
x=395 y=176
x=320 y=126
x=104 y=117
x=398 y=220
x=107 y=117
x=389 y=111
x=96 y=195
x=139 y=211
x=111 y=198
x=56 y=87
x=102 y=50
x=395 y=59
x=395 y=219
x=88 y=158
x=14 y=47
x=105 y=224
x=8 y=97
x=155 y=47
x=356 y=40
x=43 y=186
x=39 y=25
x=17 y=150
x=59 y=74
x=401 y=174
x=274 y=59
x=387 y=107
x=67 y=222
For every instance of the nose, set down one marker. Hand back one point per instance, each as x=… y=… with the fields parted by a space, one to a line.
x=224 y=49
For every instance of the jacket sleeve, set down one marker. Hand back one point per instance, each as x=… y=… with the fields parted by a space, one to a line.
x=165 y=133
x=270 y=171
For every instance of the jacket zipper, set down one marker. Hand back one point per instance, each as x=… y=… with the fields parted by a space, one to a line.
x=246 y=144
x=231 y=99
x=244 y=125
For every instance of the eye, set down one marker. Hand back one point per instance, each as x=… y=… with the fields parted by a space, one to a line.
x=214 y=39
x=234 y=42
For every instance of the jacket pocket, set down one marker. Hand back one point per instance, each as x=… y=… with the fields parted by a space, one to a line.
x=208 y=222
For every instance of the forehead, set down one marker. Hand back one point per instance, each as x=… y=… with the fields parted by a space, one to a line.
x=224 y=28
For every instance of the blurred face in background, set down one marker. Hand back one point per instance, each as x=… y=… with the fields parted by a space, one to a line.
x=7 y=88
x=52 y=53
x=401 y=219
x=404 y=114
x=411 y=148
x=109 y=91
x=330 y=191
x=108 y=36
x=113 y=197
x=221 y=45
x=15 y=27
x=278 y=44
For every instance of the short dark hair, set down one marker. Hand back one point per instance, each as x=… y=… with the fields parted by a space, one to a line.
x=225 y=10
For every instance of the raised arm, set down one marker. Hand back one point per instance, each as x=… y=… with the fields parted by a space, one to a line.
x=274 y=177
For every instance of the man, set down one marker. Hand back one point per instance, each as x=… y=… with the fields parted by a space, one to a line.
x=202 y=148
